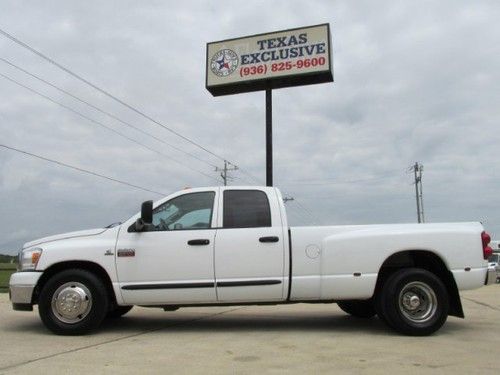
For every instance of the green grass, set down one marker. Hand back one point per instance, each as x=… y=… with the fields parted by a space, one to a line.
x=6 y=269
x=8 y=266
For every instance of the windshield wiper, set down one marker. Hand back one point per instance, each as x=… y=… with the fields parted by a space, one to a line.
x=113 y=225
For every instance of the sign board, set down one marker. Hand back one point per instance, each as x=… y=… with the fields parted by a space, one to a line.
x=285 y=58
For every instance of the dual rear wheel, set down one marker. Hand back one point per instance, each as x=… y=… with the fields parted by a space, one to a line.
x=412 y=301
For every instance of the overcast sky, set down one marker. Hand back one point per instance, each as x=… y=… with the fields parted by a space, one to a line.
x=414 y=81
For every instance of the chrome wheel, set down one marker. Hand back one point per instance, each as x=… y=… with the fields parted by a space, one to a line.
x=71 y=302
x=414 y=301
x=417 y=302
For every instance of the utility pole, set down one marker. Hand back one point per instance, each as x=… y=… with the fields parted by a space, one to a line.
x=226 y=169
x=288 y=199
x=417 y=170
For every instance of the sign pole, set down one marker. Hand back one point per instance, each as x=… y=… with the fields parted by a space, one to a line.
x=269 y=61
x=269 y=137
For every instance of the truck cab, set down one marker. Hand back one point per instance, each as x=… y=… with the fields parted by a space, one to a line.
x=206 y=246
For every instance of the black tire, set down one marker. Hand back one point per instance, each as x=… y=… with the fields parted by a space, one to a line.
x=358 y=309
x=76 y=291
x=379 y=307
x=118 y=312
x=414 y=302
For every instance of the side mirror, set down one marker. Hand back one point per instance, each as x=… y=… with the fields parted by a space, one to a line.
x=147 y=212
x=146 y=218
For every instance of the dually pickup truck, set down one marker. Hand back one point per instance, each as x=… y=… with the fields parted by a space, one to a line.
x=233 y=246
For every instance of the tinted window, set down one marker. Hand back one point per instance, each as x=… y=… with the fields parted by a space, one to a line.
x=246 y=209
x=189 y=211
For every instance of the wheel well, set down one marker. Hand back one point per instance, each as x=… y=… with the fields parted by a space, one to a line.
x=95 y=268
x=428 y=261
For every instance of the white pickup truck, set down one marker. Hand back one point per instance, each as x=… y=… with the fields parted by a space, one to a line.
x=233 y=246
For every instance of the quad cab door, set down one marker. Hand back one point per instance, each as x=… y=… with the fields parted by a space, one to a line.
x=249 y=246
x=173 y=261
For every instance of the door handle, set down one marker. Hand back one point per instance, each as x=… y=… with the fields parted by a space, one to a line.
x=126 y=252
x=198 y=242
x=269 y=239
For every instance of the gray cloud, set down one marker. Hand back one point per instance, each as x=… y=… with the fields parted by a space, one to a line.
x=413 y=81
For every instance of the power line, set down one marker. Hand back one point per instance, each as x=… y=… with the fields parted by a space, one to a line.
x=286 y=193
x=87 y=82
x=60 y=163
x=79 y=169
x=103 y=111
x=298 y=212
x=251 y=176
x=311 y=215
x=104 y=126
x=135 y=141
x=102 y=91
x=335 y=182
x=235 y=167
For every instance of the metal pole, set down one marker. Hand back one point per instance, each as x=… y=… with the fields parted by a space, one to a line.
x=421 y=192
x=269 y=137
x=224 y=173
x=415 y=170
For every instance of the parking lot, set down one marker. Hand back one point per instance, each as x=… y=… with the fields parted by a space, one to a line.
x=297 y=338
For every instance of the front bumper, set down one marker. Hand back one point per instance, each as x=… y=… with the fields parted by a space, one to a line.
x=491 y=277
x=21 y=287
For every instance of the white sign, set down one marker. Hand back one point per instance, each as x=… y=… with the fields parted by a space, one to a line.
x=278 y=59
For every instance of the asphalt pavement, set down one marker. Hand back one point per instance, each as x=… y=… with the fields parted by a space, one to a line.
x=299 y=338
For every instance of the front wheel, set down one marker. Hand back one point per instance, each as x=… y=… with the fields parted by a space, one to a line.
x=414 y=302
x=73 y=302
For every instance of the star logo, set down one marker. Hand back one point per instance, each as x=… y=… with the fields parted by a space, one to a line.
x=224 y=62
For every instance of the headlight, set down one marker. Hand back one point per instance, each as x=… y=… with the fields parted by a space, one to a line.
x=28 y=259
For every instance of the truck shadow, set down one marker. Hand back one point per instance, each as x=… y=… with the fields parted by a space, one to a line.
x=187 y=322
x=243 y=323
x=268 y=323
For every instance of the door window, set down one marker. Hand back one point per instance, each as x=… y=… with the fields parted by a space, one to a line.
x=188 y=211
x=246 y=209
